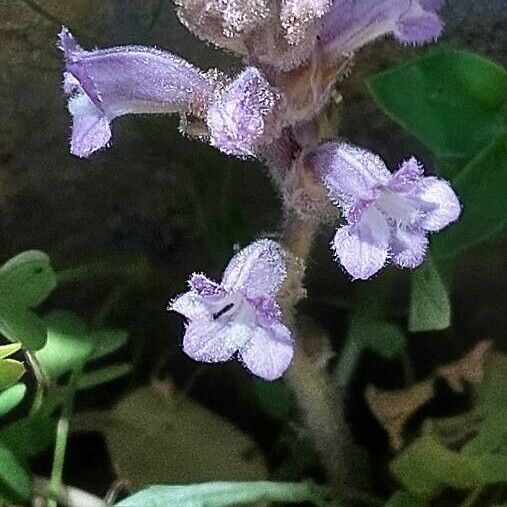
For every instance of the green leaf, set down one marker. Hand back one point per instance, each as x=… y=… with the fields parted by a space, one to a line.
x=10 y=372
x=382 y=337
x=492 y=435
x=103 y=375
x=405 y=499
x=481 y=187
x=274 y=398
x=28 y=278
x=107 y=341
x=159 y=437
x=70 y=343
x=426 y=467
x=67 y=346
x=9 y=349
x=22 y=325
x=450 y=100
x=430 y=307
x=29 y=436
x=14 y=481
x=11 y=398
x=219 y=494
x=492 y=469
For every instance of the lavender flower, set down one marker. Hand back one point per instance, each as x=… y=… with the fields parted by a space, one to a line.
x=238 y=118
x=240 y=315
x=351 y=24
x=388 y=215
x=105 y=84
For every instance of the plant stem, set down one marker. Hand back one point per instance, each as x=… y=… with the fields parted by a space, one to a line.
x=62 y=433
x=43 y=382
x=321 y=409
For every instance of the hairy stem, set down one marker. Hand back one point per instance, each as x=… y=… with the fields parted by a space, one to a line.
x=321 y=409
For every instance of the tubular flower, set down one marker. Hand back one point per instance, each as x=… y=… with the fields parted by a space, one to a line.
x=108 y=83
x=105 y=84
x=351 y=24
x=240 y=314
x=388 y=215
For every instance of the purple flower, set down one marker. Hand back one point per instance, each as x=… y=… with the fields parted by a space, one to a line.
x=388 y=215
x=237 y=119
x=240 y=315
x=351 y=24
x=105 y=84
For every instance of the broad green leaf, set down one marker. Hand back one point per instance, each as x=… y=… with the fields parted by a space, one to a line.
x=29 y=436
x=450 y=100
x=14 y=481
x=481 y=187
x=492 y=435
x=426 y=467
x=107 y=341
x=155 y=436
x=274 y=398
x=220 y=494
x=382 y=337
x=492 y=469
x=405 y=499
x=19 y=324
x=27 y=279
x=67 y=346
x=11 y=398
x=70 y=343
x=101 y=376
x=430 y=307
x=10 y=372
x=9 y=349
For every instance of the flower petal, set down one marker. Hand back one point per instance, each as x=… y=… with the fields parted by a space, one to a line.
x=269 y=351
x=203 y=285
x=351 y=24
x=362 y=248
x=131 y=79
x=190 y=304
x=237 y=119
x=408 y=247
x=440 y=203
x=349 y=171
x=90 y=127
x=257 y=271
x=407 y=176
x=419 y=27
x=214 y=341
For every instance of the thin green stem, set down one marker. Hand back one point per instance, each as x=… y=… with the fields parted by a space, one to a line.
x=43 y=382
x=62 y=433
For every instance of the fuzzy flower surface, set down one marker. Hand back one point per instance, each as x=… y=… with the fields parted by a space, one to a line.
x=351 y=24
x=240 y=314
x=107 y=83
x=388 y=215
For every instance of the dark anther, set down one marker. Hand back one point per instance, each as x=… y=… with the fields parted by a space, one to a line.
x=225 y=309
